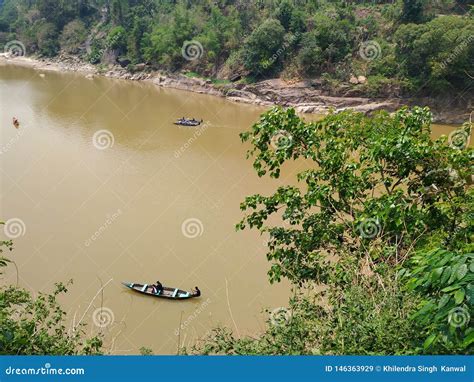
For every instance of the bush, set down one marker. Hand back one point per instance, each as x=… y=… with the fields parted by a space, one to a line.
x=73 y=36
x=262 y=46
x=327 y=44
x=378 y=193
x=446 y=279
x=116 y=39
x=47 y=37
x=36 y=326
x=437 y=54
x=365 y=318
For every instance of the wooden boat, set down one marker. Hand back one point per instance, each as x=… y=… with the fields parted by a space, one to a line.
x=167 y=292
x=188 y=122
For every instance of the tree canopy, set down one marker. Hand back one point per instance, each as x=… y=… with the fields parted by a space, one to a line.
x=409 y=47
x=382 y=217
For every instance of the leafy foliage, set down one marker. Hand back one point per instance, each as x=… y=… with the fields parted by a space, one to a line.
x=438 y=54
x=73 y=36
x=446 y=279
x=262 y=44
x=359 y=320
x=381 y=218
x=366 y=188
x=36 y=325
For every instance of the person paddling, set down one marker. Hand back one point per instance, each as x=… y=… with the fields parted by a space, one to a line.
x=196 y=292
x=157 y=288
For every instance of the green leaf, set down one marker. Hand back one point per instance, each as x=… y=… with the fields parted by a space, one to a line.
x=468 y=340
x=435 y=274
x=444 y=300
x=470 y=293
x=429 y=341
x=454 y=272
x=451 y=288
x=459 y=296
x=446 y=257
x=446 y=275
x=462 y=271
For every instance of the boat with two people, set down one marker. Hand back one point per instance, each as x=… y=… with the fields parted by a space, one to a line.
x=188 y=122
x=158 y=290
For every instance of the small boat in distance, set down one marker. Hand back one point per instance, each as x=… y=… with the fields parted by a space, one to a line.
x=166 y=292
x=188 y=122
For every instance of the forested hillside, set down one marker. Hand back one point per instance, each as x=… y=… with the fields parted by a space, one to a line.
x=379 y=48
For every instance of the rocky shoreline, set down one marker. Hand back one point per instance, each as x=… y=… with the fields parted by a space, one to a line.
x=303 y=96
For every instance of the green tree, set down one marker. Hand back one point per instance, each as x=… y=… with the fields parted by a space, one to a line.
x=413 y=11
x=73 y=36
x=328 y=43
x=166 y=41
x=377 y=195
x=437 y=55
x=310 y=57
x=47 y=37
x=262 y=46
x=284 y=14
x=116 y=39
x=365 y=193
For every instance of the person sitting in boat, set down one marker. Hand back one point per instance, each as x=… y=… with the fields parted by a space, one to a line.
x=196 y=292
x=157 y=288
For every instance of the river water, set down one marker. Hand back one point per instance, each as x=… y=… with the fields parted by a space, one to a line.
x=105 y=188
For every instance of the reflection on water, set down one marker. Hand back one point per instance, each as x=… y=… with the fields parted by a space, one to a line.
x=110 y=190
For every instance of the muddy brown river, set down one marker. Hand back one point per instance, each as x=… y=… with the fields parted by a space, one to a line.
x=101 y=187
